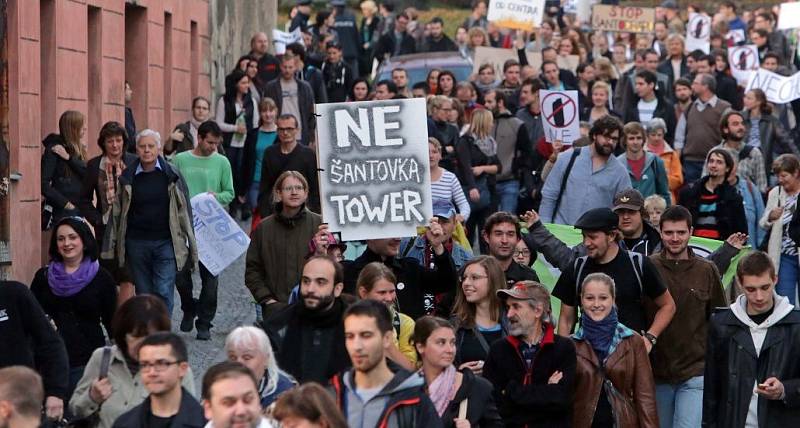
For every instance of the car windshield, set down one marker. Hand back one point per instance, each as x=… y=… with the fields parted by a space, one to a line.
x=415 y=75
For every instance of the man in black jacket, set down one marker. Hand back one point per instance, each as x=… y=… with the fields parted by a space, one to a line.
x=752 y=375
x=415 y=283
x=308 y=73
x=31 y=340
x=647 y=104
x=396 y=42
x=308 y=336
x=716 y=206
x=163 y=362
x=337 y=74
x=268 y=65
x=437 y=41
x=532 y=369
x=345 y=26
x=727 y=89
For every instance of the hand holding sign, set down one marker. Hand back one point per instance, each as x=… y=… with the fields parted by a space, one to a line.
x=435 y=236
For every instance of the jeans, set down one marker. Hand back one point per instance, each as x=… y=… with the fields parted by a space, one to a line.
x=788 y=275
x=692 y=171
x=252 y=194
x=681 y=405
x=508 y=191
x=206 y=306
x=152 y=265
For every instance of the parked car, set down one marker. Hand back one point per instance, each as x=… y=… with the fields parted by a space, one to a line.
x=418 y=66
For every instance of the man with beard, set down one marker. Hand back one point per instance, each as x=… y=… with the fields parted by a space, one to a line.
x=751 y=160
x=415 y=283
x=205 y=171
x=514 y=150
x=635 y=276
x=163 y=363
x=307 y=336
x=501 y=233
x=596 y=177
x=683 y=97
x=370 y=394
x=437 y=40
x=716 y=206
x=532 y=369
x=679 y=356
x=230 y=397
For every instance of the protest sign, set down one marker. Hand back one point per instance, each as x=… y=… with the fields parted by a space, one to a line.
x=789 y=16
x=698 y=33
x=220 y=240
x=623 y=18
x=516 y=14
x=743 y=61
x=735 y=37
x=548 y=274
x=281 y=39
x=778 y=89
x=560 y=115
x=374 y=170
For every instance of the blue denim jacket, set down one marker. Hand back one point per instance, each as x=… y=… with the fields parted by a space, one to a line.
x=459 y=254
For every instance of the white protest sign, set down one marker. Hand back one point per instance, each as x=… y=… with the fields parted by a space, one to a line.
x=698 y=33
x=281 y=39
x=778 y=89
x=516 y=14
x=623 y=18
x=220 y=240
x=374 y=170
x=735 y=36
x=789 y=16
x=743 y=61
x=560 y=115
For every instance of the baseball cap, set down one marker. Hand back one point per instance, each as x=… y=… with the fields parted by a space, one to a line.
x=522 y=290
x=598 y=219
x=629 y=199
x=669 y=4
x=338 y=2
x=303 y=2
x=443 y=208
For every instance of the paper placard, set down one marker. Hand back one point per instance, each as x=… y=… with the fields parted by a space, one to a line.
x=560 y=112
x=220 y=240
x=698 y=33
x=623 y=18
x=516 y=14
x=280 y=39
x=789 y=16
x=744 y=62
x=778 y=89
x=374 y=169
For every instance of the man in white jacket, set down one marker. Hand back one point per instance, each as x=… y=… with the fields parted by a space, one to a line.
x=752 y=371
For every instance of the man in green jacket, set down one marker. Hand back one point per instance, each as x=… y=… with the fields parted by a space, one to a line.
x=205 y=171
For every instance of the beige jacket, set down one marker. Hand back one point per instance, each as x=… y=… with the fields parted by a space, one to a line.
x=776 y=198
x=128 y=391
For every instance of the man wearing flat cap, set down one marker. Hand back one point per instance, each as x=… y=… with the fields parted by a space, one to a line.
x=635 y=276
x=529 y=394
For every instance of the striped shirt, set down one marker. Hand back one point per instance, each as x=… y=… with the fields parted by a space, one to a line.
x=788 y=246
x=706 y=222
x=449 y=188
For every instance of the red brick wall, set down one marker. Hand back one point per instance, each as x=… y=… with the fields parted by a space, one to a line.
x=71 y=54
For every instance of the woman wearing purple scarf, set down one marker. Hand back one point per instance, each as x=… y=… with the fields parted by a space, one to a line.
x=76 y=293
x=614 y=384
x=448 y=388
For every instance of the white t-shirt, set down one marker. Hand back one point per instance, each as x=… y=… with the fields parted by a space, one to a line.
x=646 y=110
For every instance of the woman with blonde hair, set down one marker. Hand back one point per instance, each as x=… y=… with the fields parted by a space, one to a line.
x=478 y=165
x=600 y=93
x=63 y=167
x=476 y=36
x=377 y=282
x=250 y=346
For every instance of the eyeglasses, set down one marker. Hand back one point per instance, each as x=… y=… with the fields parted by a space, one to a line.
x=158 y=365
x=473 y=277
x=297 y=188
x=286 y=129
x=522 y=253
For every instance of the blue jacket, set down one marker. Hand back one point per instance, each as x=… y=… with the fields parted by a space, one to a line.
x=459 y=254
x=753 y=210
x=654 y=176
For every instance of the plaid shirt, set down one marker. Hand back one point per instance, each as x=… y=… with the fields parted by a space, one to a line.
x=752 y=167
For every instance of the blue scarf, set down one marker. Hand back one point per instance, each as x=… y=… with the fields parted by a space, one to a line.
x=64 y=284
x=600 y=334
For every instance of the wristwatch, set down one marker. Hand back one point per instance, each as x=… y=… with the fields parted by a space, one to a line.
x=649 y=336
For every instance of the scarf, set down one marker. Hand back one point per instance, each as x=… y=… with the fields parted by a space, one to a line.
x=442 y=390
x=64 y=284
x=487 y=146
x=599 y=334
x=113 y=169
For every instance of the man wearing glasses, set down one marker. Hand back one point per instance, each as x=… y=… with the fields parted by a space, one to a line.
x=287 y=155
x=584 y=178
x=163 y=362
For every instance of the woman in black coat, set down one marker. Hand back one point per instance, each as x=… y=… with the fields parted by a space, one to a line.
x=64 y=165
x=76 y=293
x=461 y=398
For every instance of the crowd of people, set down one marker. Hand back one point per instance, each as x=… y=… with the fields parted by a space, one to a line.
x=452 y=327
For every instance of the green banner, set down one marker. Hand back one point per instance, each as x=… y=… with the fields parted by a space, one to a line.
x=567 y=234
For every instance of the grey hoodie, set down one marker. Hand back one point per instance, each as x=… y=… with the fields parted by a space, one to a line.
x=759 y=332
x=367 y=414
